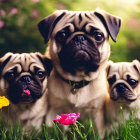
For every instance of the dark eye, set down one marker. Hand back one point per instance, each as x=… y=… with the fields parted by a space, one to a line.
x=10 y=76
x=99 y=37
x=133 y=83
x=112 y=80
x=62 y=36
x=41 y=74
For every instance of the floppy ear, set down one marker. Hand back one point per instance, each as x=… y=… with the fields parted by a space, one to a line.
x=4 y=60
x=136 y=65
x=111 y=22
x=47 y=25
x=108 y=67
x=47 y=63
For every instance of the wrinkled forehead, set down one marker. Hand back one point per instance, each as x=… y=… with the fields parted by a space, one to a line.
x=23 y=62
x=77 y=20
x=122 y=69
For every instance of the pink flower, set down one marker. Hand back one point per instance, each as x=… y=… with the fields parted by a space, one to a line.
x=35 y=1
x=1 y=24
x=67 y=119
x=13 y=11
x=2 y=13
x=35 y=14
x=27 y=92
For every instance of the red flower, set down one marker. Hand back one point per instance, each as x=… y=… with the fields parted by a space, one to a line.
x=67 y=119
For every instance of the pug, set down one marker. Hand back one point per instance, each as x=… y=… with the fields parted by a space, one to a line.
x=79 y=50
x=124 y=92
x=23 y=80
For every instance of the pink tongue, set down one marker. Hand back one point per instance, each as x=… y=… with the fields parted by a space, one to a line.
x=27 y=92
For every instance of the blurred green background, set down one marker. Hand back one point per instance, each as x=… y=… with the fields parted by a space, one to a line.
x=19 y=18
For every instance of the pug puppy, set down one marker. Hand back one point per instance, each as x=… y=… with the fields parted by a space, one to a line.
x=124 y=92
x=23 y=80
x=79 y=50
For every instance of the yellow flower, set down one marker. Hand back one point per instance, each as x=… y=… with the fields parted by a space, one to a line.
x=121 y=107
x=4 y=101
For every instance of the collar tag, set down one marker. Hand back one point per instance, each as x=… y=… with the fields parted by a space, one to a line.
x=74 y=90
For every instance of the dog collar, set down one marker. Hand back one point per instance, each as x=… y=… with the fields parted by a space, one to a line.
x=75 y=85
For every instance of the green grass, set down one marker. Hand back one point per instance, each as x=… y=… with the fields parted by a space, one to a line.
x=78 y=131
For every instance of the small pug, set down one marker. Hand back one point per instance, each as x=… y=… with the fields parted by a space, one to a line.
x=23 y=80
x=124 y=92
x=79 y=49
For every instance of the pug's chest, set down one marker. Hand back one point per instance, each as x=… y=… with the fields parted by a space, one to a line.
x=61 y=94
x=85 y=98
x=57 y=100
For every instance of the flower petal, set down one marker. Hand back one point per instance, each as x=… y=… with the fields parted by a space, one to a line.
x=67 y=119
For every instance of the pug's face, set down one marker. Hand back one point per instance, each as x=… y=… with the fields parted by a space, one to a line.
x=23 y=77
x=79 y=43
x=124 y=81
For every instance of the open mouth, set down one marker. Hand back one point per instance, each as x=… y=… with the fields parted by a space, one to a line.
x=29 y=96
x=27 y=92
x=26 y=96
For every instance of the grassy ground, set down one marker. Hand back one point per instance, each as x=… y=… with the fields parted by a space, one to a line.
x=78 y=131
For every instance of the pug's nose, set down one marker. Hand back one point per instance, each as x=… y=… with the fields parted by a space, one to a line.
x=121 y=88
x=26 y=79
x=79 y=38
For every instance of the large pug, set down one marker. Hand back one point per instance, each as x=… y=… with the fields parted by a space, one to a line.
x=124 y=92
x=79 y=49
x=23 y=80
